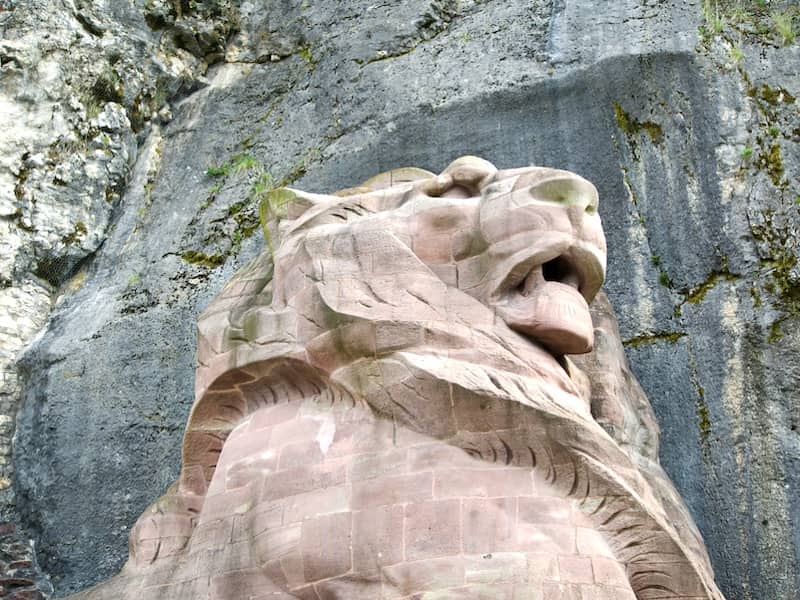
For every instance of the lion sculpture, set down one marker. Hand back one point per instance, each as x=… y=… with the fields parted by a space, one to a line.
x=385 y=408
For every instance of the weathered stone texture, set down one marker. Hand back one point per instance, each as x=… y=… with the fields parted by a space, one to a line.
x=678 y=135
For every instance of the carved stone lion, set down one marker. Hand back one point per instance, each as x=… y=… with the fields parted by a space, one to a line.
x=385 y=409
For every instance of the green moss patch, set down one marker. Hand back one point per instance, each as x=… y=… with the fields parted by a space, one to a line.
x=632 y=127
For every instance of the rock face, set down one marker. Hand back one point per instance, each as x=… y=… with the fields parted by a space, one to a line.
x=384 y=409
x=691 y=138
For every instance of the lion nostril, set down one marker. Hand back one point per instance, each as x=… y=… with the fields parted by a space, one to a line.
x=555 y=270
x=560 y=270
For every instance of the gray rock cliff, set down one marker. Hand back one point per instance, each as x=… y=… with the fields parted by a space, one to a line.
x=137 y=138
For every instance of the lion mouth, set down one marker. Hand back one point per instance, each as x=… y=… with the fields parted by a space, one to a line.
x=578 y=268
x=550 y=305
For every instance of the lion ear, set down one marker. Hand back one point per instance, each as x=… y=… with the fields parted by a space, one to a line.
x=288 y=203
x=390 y=179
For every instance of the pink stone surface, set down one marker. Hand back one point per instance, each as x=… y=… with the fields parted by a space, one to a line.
x=393 y=414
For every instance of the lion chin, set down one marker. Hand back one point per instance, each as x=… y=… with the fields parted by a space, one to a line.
x=385 y=408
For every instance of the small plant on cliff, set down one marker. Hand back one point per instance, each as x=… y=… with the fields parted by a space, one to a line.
x=714 y=21
x=784 y=25
x=218 y=170
x=736 y=54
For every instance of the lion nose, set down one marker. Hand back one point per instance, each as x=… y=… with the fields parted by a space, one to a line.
x=567 y=190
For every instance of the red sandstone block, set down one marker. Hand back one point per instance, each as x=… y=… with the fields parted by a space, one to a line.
x=598 y=592
x=432 y=529
x=292 y=569
x=476 y=414
x=485 y=483
x=377 y=538
x=273 y=570
x=229 y=503
x=488 y=525
x=478 y=591
x=304 y=479
x=397 y=489
x=418 y=412
x=317 y=503
x=193 y=480
x=408 y=578
x=431 y=456
x=496 y=568
x=526 y=591
x=608 y=571
x=194 y=588
x=244 y=583
x=559 y=591
x=170 y=546
x=592 y=543
x=293 y=431
x=299 y=454
x=369 y=466
x=305 y=593
x=548 y=510
x=239 y=555
x=270 y=416
x=325 y=545
x=356 y=438
x=542 y=567
x=350 y=588
x=276 y=543
x=557 y=539
x=206 y=561
x=248 y=471
x=164 y=525
x=266 y=515
x=575 y=569
x=391 y=336
x=216 y=532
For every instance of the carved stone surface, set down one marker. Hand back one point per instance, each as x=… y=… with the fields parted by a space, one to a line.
x=384 y=409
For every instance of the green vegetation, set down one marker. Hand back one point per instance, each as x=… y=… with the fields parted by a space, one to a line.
x=703 y=418
x=751 y=18
x=664 y=279
x=775 y=334
x=697 y=294
x=631 y=126
x=650 y=338
x=756 y=297
x=264 y=202
x=771 y=96
x=783 y=23
x=218 y=171
x=75 y=236
x=771 y=161
x=737 y=56
x=714 y=21
x=200 y=258
x=746 y=152
x=778 y=259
